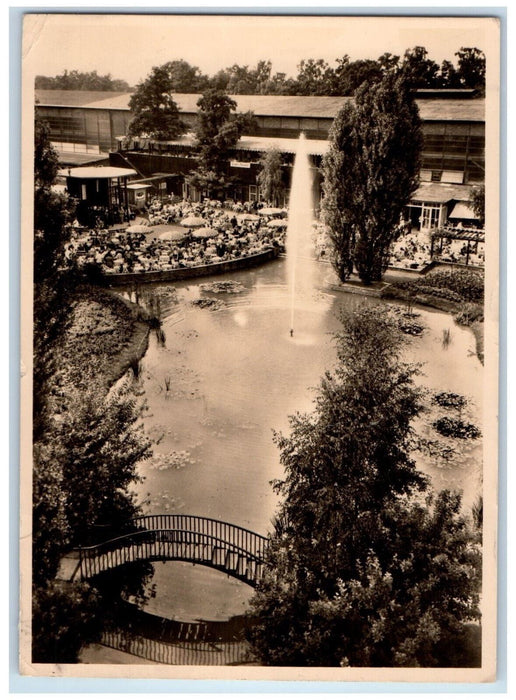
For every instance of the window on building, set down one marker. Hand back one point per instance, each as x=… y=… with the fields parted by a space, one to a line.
x=436 y=175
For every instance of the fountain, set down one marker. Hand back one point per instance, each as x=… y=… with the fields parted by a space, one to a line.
x=300 y=219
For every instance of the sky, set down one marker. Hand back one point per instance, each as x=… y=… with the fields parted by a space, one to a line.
x=128 y=46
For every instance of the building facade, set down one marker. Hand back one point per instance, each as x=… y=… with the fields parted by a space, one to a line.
x=86 y=127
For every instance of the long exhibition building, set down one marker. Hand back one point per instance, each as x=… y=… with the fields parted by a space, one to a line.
x=90 y=129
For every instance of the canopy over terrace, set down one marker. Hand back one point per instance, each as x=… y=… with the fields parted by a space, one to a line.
x=102 y=193
x=469 y=235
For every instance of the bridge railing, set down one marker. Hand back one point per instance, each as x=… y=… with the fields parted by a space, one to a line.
x=183 y=654
x=240 y=537
x=191 y=538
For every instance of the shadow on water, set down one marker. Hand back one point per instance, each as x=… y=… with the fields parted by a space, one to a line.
x=158 y=639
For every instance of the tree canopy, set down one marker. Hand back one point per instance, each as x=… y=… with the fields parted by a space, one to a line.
x=218 y=129
x=362 y=570
x=270 y=177
x=155 y=112
x=477 y=201
x=79 y=80
x=370 y=172
x=315 y=76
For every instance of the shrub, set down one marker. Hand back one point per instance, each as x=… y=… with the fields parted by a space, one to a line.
x=469 y=314
x=456 y=428
x=448 y=399
x=453 y=285
x=469 y=284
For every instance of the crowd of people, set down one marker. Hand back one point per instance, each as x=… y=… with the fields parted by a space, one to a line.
x=220 y=234
x=175 y=234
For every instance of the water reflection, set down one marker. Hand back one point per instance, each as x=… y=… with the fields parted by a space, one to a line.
x=235 y=374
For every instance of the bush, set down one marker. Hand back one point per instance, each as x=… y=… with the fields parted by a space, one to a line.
x=468 y=284
x=469 y=314
x=456 y=428
x=448 y=399
x=453 y=285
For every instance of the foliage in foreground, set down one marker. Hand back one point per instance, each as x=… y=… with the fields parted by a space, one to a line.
x=363 y=569
x=85 y=446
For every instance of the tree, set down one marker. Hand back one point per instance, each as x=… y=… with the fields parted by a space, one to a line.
x=418 y=70
x=77 y=80
x=101 y=444
x=314 y=77
x=370 y=172
x=360 y=570
x=60 y=610
x=52 y=216
x=448 y=76
x=472 y=68
x=477 y=200
x=354 y=73
x=155 y=112
x=217 y=132
x=270 y=177
x=185 y=77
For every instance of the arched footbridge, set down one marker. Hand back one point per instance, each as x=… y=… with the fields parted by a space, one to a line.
x=229 y=548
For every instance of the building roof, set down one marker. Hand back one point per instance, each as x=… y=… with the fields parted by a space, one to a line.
x=100 y=172
x=437 y=109
x=440 y=192
x=76 y=98
x=73 y=158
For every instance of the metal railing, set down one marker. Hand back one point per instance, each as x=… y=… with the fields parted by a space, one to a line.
x=229 y=548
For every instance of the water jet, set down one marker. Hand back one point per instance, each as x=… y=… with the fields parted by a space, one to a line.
x=300 y=216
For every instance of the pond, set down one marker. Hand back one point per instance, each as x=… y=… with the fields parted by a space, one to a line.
x=229 y=374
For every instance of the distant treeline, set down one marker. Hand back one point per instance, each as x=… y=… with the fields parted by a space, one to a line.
x=76 y=80
x=314 y=76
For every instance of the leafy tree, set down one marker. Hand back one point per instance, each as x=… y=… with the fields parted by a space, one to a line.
x=360 y=570
x=218 y=130
x=59 y=611
x=185 y=77
x=356 y=73
x=78 y=80
x=477 y=201
x=314 y=77
x=370 y=172
x=448 y=76
x=52 y=215
x=99 y=444
x=418 y=70
x=46 y=159
x=270 y=177
x=472 y=68
x=388 y=62
x=155 y=112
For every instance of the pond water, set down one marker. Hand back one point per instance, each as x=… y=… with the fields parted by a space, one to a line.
x=230 y=374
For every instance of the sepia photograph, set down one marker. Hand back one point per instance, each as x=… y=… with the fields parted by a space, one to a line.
x=259 y=346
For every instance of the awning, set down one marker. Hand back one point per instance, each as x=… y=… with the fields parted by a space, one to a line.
x=462 y=211
x=440 y=193
x=100 y=172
